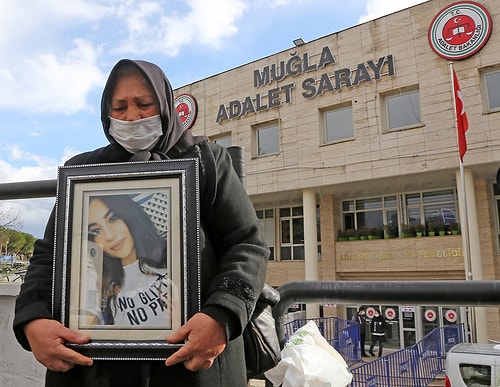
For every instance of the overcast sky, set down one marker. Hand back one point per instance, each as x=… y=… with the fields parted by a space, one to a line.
x=56 y=55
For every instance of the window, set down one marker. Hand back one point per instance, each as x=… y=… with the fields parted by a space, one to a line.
x=496 y=191
x=475 y=375
x=225 y=141
x=292 y=234
x=428 y=208
x=267 y=139
x=439 y=206
x=372 y=212
x=267 y=218
x=403 y=110
x=289 y=228
x=338 y=124
x=491 y=81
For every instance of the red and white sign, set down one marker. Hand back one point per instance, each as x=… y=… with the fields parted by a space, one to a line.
x=390 y=314
x=460 y=30
x=370 y=312
x=451 y=316
x=186 y=107
x=430 y=315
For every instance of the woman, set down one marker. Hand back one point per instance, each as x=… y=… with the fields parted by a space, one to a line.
x=134 y=263
x=140 y=122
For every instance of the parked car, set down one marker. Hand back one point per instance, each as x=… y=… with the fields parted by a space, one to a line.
x=473 y=365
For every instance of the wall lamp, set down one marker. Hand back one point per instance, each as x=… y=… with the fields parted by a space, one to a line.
x=298 y=42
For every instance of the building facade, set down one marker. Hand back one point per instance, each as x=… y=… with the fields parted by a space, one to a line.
x=355 y=133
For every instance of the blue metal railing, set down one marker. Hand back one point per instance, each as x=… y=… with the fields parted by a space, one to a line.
x=414 y=366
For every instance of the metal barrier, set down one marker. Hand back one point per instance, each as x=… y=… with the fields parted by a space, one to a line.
x=414 y=366
x=28 y=189
x=343 y=335
x=460 y=293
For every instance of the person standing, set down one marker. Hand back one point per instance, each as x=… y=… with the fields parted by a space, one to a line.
x=378 y=327
x=360 y=318
x=141 y=124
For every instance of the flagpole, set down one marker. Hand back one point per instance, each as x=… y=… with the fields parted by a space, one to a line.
x=465 y=221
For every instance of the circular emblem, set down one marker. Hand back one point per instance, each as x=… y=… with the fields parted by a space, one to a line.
x=460 y=30
x=390 y=314
x=370 y=312
x=430 y=315
x=451 y=316
x=185 y=105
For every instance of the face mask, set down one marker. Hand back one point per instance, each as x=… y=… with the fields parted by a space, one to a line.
x=138 y=135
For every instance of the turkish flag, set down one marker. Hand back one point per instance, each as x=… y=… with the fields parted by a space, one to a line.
x=462 y=122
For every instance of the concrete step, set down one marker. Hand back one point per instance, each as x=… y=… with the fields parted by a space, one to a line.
x=438 y=381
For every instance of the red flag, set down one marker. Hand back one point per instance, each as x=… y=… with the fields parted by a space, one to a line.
x=462 y=122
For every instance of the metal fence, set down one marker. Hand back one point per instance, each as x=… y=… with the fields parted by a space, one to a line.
x=462 y=293
x=414 y=366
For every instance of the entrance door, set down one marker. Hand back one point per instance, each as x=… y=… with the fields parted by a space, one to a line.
x=430 y=318
x=409 y=327
x=392 y=317
x=409 y=324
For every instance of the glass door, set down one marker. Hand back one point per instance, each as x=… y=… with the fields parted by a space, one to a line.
x=409 y=328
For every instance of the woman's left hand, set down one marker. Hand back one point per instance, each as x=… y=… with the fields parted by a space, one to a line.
x=206 y=339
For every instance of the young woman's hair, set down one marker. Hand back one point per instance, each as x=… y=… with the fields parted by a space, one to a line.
x=150 y=247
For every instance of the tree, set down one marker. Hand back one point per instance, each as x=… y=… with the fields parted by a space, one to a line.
x=16 y=243
x=9 y=218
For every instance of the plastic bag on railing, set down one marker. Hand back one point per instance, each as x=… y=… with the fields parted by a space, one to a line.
x=309 y=361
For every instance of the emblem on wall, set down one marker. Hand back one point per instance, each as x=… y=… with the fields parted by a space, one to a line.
x=460 y=30
x=451 y=316
x=390 y=313
x=186 y=107
x=430 y=315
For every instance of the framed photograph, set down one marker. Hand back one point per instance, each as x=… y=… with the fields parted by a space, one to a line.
x=126 y=264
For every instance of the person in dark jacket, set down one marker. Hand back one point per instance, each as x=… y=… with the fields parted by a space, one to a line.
x=360 y=318
x=378 y=327
x=141 y=123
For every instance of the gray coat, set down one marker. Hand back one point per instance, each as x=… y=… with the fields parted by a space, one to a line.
x=233 y=258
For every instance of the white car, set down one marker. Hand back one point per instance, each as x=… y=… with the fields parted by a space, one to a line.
x=473 y=365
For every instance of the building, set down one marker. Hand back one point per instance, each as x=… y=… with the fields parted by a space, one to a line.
x=357 y=130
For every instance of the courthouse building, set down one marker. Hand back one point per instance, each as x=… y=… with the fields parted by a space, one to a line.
x=355 y=133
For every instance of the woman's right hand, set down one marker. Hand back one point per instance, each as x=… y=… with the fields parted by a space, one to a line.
x=47 y=338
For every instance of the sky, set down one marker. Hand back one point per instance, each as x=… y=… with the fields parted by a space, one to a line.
x=56 y=55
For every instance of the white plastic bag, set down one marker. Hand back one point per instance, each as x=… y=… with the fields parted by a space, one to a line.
x=309 y=361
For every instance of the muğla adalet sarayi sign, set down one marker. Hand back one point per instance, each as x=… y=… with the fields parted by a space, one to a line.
x=310 y=87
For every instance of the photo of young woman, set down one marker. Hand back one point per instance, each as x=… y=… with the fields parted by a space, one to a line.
x=135 y=287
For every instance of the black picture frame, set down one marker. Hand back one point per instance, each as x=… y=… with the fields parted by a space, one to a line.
x=127 y=319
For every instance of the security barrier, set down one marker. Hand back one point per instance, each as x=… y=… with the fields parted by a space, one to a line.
x=414 y=366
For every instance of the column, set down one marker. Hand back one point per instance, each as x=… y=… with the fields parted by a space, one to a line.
x=471 y=247
x=310 y=244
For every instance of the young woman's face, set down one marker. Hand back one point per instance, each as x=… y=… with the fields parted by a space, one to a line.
x=133 y=99
x=110 y=232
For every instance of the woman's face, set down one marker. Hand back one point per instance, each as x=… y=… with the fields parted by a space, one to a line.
x=133 y=99
x=110 y=232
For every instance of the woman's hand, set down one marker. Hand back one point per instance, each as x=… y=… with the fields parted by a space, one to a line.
x=206 y=339
x=47 y=338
